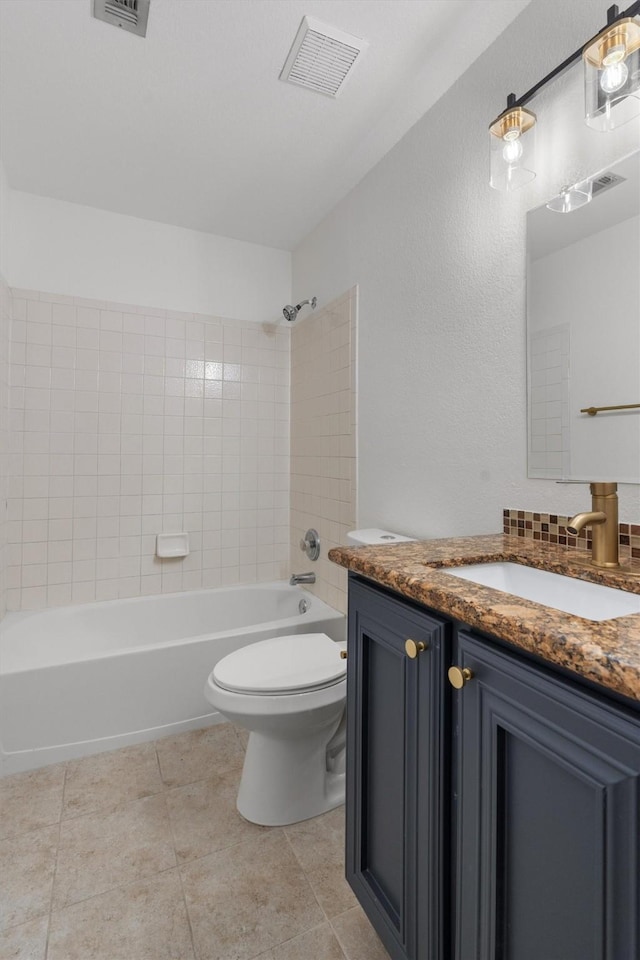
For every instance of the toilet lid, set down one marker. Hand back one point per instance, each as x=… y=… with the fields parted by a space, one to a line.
x=294 y=664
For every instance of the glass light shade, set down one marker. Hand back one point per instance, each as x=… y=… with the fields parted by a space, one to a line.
x=513 y=149
x=612 y=76
x=571 y=198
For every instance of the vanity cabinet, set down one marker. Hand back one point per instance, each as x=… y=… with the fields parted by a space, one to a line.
x=500 y=821
x=547 y=782
x=395 y=790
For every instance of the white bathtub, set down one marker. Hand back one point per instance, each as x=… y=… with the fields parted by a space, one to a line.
x=80 y=680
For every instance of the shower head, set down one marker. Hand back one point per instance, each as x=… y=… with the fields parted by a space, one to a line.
x=290 y=312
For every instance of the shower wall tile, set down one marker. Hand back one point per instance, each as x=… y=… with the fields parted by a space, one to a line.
x=323 y=439
x=126 y=422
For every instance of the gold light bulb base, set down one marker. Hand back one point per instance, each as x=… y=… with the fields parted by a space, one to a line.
x=514 y=120
x=613 y=48
x=625 y=34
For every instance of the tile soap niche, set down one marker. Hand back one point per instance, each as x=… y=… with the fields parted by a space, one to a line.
x=172 y=545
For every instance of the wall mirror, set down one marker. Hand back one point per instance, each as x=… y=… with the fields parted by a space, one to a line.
x=583 y=333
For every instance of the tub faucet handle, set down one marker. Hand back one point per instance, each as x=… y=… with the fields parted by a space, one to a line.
x=310 y=544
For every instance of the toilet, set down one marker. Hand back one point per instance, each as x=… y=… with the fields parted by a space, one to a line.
x=290 y=694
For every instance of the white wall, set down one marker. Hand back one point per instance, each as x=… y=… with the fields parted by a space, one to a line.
x=80 y=251
x=5 y=195
x=440 y=261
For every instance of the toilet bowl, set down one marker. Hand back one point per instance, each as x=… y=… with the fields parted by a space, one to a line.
x=290 y=693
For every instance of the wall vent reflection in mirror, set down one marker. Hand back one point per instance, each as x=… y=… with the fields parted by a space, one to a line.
x=605 y=181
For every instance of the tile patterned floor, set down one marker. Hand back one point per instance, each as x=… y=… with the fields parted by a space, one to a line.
x=140 y=854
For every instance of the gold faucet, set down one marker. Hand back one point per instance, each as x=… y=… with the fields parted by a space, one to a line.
x=604 y=520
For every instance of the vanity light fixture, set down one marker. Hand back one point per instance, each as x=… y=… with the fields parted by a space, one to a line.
x=612 y=75
x=612 y=91
x=571 y=198
x=513 y=147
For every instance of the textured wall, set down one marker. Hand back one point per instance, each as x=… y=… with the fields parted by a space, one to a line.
x=127 y=422
x=323 y=439
x=439 y=258
x=5 y=330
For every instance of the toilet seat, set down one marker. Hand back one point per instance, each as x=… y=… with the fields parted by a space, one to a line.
x=299 y=663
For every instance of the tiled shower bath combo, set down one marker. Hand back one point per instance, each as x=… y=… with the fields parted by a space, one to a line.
x=126 y=422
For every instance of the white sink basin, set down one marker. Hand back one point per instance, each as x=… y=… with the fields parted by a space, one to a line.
x=592 y=601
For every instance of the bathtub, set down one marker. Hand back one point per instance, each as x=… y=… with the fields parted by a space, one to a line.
x=84 y=679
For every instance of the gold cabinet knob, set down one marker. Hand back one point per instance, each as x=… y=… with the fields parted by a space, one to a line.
x=414 y=647
x=458 y=676
x=343 y=654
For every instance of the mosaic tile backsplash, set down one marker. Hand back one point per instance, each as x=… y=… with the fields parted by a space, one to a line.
x=552 y=528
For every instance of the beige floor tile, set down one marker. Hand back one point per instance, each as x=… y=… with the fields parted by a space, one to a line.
x=105 y=780
x=317 y=944
x=332 y=891
x=198 y=754
x=319 y=847
x=319 y=842
x=26 y=875
x=25 y=942
x=204 y=817
x=146 y=920
x=104 y=850
x=31 y=800
x=247 y=899
x=357 y=937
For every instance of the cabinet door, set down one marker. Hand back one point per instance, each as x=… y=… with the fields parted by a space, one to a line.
x=394 y=782
x=548 y=779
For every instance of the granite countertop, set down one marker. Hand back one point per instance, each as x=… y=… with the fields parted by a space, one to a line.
x=605 y=652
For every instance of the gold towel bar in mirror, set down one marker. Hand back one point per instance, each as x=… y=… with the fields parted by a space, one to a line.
x=625 y=406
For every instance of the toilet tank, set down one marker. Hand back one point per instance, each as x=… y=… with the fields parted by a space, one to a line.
x=373 y=536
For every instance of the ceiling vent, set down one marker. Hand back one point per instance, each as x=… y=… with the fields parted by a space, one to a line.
x=131 y=15
x=605 y=181
x=322 y=58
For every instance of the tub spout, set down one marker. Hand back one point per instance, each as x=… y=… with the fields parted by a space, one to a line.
x=297 y=578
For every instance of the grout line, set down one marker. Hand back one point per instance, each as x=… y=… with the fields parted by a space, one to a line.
x=184 y=896
x=53 y=880
x=148 y=878
x=304 y=873
x=55 y=867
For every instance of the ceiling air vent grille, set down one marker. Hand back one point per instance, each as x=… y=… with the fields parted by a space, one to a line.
x=605 y=181
x=131 y=15
x=321 y=57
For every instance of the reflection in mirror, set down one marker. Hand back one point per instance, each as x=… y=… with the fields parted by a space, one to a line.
x=583 y=333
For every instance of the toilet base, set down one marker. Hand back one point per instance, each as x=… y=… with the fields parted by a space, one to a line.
x=288 y=780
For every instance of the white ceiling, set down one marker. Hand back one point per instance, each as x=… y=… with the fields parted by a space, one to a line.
x=191 y=125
